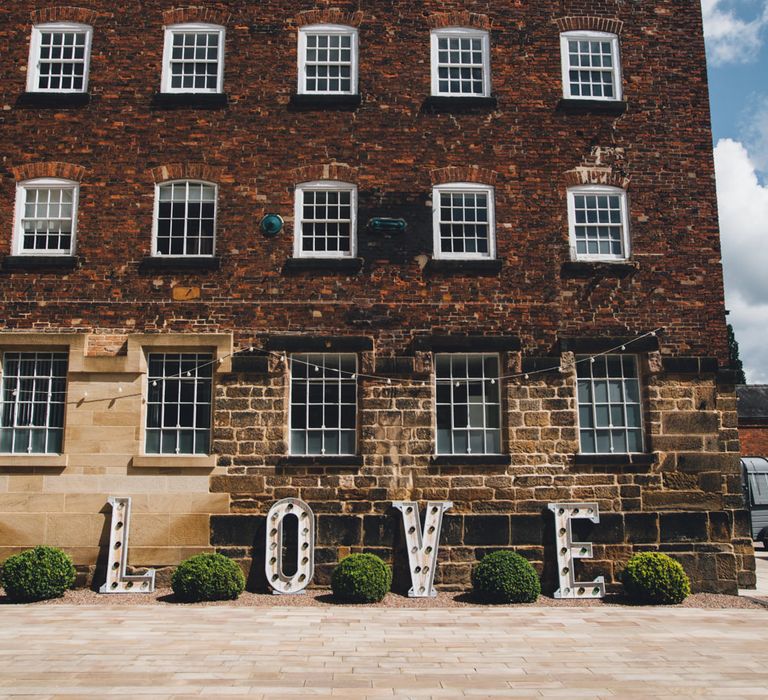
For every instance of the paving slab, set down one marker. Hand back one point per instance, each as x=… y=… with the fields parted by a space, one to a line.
x=352 y=652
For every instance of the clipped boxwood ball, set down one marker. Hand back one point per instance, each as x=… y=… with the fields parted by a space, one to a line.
x=653 y=577
x=37 y=574
x=505 y=577
x=207 y=577
x=361 y=578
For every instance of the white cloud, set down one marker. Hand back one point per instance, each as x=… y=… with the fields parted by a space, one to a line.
x=754 y=127
x=743 y=205
x=730 y=38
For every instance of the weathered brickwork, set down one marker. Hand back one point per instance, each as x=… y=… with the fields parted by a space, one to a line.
x=684 y=498
x=754 y=440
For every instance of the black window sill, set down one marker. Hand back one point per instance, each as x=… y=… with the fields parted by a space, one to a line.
x=614 y=460
x=312 y=103
x=466 y=343
x=459 y=105
x=470 y=460
x=250 y=363
x=321 y=461
x=579 y=106
x=541 y=364
x=319 y=343
x=463 y=267
x=40 y=262
x=330 y=265
x=595 y=345
x=53 y=100
x=153 y=264
x=190 y=100
x=598 y=268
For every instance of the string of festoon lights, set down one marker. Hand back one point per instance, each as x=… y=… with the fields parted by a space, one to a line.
x=319 y=368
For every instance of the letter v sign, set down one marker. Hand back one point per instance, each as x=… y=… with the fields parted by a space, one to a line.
x=422 y=547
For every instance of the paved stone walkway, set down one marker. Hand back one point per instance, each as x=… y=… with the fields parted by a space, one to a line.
x=180 y=652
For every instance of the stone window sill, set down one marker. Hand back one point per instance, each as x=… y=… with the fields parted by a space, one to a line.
x=190 y=100
x=466 y=343
x=614 y=460
x=179 y=263
x=312 y=103
x=16 y=460
x=598 y=268
x=470 y=460
x=174 y=461
x=577 y=106
x=463 y=267
x=321 y=461
x=40 y=262
x=459 y=105
x=53 y=100
x=329 y=265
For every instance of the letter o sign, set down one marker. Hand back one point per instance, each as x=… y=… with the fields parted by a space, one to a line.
x=305 y=550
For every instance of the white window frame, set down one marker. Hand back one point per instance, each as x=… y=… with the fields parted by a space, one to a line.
x=462 y=33
x=584 y=35
x=625 y=237
x=327 y=29
x=18 y=228
x=156 y=219
x=451 y=381
x=33 y=67
x=328 y=185
x=323 y=376
x=201 y=358
x=471 y=187
x=54 y=396
x=191 y=28
x=637 y=378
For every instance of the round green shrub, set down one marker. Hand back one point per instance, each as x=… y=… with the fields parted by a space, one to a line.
x=505 y=577
x=361 y=578
x=37 y=574
x=207 y=577
x=652 y=577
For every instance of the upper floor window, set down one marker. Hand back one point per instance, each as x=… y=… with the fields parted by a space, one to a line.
x=468 y=405
x=59 y=57
x=326 y=219
x=461 y=65
x=179 y=403
x=323 y=404
x=32 y=402
x=328 y=60
x=193 y=58
x=591 y=65
x=185 y=218
x=46 y=217
x=610 y=420
x=598 y=228
x=463 y=221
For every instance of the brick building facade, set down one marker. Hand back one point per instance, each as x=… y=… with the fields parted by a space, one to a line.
x=553 y=164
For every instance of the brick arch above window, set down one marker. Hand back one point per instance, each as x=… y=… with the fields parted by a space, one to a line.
x=328 y=16
x=63 y=171
x=594 y=24
x=596 y=176
x=464 y=173
x=66 y=13
x=187 y=171
x=206 y=15
x=328 y=171
x=438 y=20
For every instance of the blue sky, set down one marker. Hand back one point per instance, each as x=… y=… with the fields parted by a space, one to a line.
x=736 y=32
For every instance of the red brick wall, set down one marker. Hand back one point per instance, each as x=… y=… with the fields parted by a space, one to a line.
x=662 y=144
x=754 y=441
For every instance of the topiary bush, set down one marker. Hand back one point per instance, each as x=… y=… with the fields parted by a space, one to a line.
x=361 y=578
x=37 y=574
x=653 y=577
x=207 y=577
x=505 y=577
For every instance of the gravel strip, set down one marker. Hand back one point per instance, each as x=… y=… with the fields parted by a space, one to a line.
x=323 y=598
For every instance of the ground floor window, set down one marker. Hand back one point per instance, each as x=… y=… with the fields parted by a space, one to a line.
x=179 y=403
x=32 y=402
